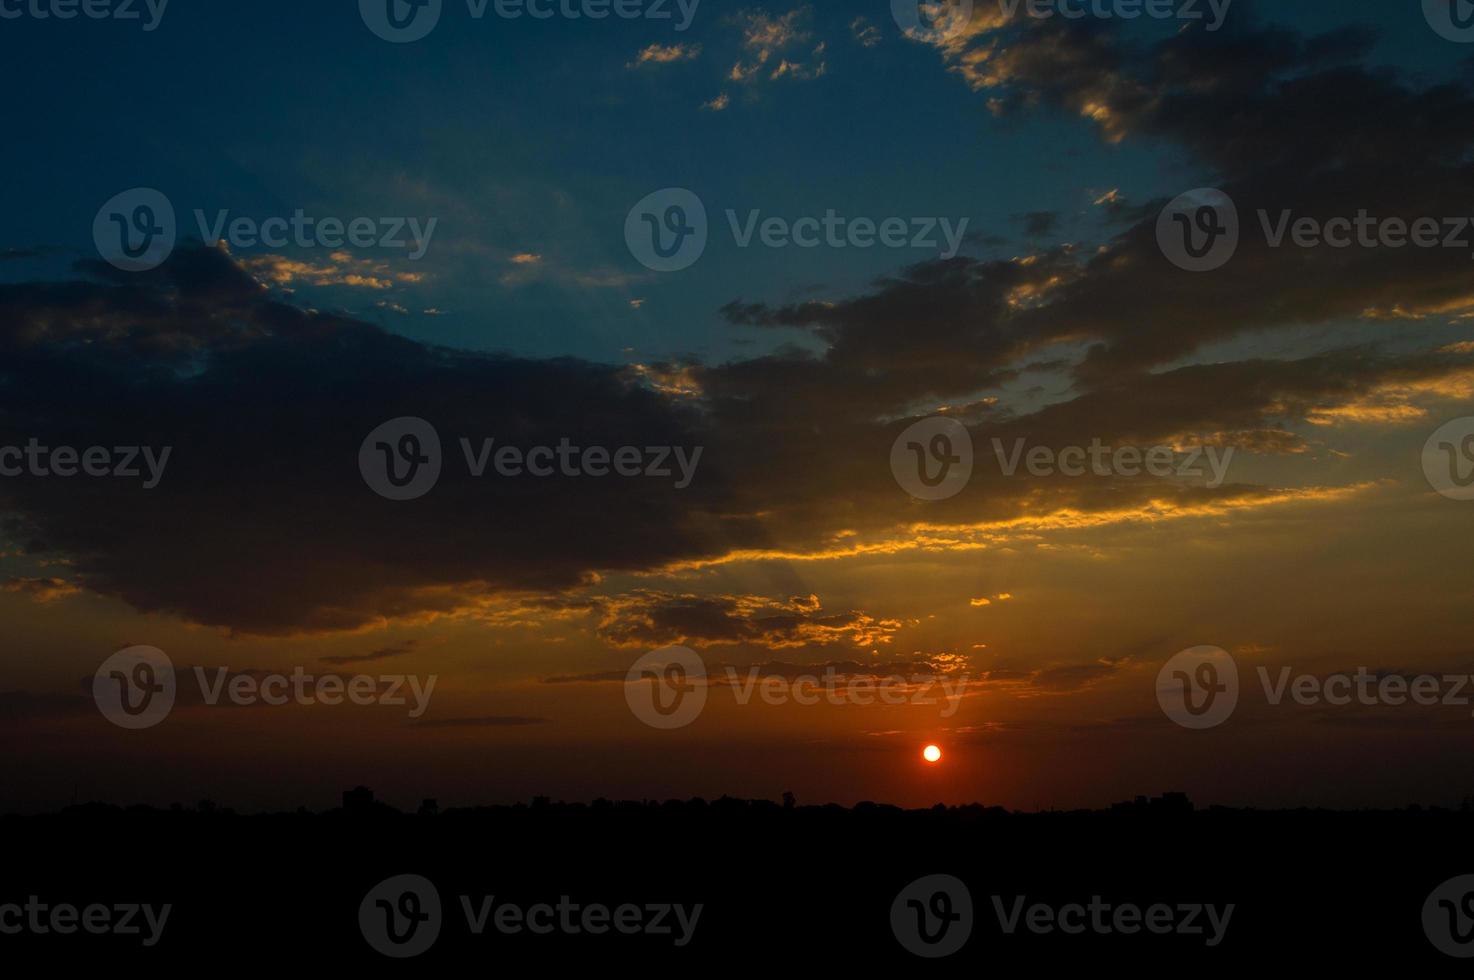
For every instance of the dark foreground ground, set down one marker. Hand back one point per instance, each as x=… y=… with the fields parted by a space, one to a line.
x=780 y=889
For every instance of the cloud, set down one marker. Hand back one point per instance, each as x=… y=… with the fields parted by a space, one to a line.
x=646 y=619
x=532 y=267
x=341 y=269
x=383 y=653
x=865 y=33
x=42 y=590
x=23 y=706
x=918 y=668
x=266 y=403
x=768 y=42
x=1038 y=224
x=665 y=54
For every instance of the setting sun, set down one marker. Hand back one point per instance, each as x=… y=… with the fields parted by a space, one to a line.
x=931 y=754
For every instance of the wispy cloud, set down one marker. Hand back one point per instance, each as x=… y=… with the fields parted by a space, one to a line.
x=665 y=54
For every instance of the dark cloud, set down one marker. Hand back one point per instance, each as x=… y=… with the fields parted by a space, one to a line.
x=486 y=721
x=262 y=523
x=737 y=675
x=383 y=653
x=650 y=619
x=22 y=705
x=40 y=589
x=1038 y=224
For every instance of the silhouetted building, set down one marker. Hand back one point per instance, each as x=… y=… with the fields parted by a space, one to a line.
x=1167 y=803
x=359 y=799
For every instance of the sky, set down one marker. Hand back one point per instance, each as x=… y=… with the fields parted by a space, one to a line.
x=510 y=171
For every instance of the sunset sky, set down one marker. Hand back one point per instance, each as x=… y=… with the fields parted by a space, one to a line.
x=1054 y=599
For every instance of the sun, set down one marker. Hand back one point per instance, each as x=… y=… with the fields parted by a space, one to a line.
x=932 y=754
